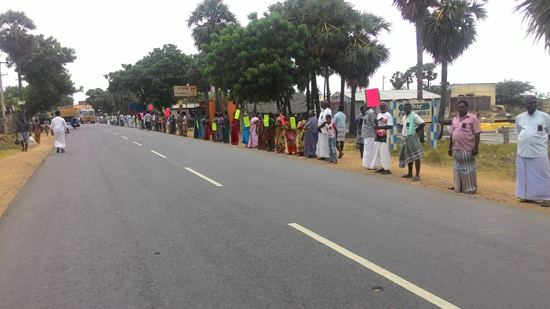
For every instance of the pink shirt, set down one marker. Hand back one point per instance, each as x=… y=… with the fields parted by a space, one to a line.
x=463 y=131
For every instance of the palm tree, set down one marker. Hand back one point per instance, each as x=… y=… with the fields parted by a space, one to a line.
x=414 y=11
x=325 y=20
x=449 y=30
x=363 y=54
x=537 y=16
x=14 y=39
x=210 y=16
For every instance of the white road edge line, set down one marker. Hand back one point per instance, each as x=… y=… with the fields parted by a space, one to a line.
x=217 y=184
x=137 y=144
x=377 y=269
x=124 y=137
x=158 y=154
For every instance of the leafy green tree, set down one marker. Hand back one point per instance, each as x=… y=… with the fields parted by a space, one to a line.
x=151 y=80
x=428 y=71
x=510 y=93
x=537 y=15
x=198 y=78
x=363 y=55
x=101 y=100
x=256 y=63
x=414 y=11
x=15 y=41
x=449 y=30
x=397 y=80
x=11 y=97
x=49 y=81
x=210 y=17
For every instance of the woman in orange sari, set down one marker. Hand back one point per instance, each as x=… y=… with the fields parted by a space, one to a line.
x=290 y=137
x=262 y=133
x=300 y=131
x=280 y=134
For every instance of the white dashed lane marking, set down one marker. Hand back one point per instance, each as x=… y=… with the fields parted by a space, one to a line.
x=217 y=184
x=158 y=154
x=137 y=143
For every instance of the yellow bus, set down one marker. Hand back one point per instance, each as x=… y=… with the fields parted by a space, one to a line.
x=87 y=115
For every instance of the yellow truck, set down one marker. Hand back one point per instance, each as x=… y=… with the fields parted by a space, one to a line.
x=67 y=112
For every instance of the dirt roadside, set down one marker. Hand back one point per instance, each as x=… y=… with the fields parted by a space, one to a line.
x=17 y=167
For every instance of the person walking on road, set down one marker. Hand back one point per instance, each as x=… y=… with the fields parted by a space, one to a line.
x=37 y=130
x=59 y=128
x=533 y=168
x=24 y=129
x=464 y=140
x=411 y=151
x=47 y=127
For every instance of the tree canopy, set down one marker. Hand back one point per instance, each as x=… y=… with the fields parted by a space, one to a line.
x=510 y=93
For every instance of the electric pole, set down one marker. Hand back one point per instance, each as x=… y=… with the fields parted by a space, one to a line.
x=383 y=81
x=2 y=92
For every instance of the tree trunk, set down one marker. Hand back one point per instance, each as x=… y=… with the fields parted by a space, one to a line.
x=287 y=101
x=419 y=50
x=444 y=97
x=20 y=81
x=218 y=100
x=308 y=99
x=206 y=105
x=328 y=86
x=342 y=88
x=352 y=128
x=315 y=93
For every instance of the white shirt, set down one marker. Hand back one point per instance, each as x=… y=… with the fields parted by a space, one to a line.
x=389 y=121
x=417 y=121
x=533 y=132
x=323 y=115
x=59 y=124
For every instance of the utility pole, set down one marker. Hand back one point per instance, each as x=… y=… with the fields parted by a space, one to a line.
x=383 y=81
x=2 y=92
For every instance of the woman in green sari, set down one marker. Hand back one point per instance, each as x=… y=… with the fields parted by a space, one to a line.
x=225 y=127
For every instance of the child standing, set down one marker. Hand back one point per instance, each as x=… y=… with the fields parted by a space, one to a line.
x=330 y=128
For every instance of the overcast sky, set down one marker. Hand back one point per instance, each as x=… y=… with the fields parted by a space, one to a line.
x=106 y=34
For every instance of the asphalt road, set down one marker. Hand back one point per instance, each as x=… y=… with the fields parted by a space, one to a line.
x=112 y=224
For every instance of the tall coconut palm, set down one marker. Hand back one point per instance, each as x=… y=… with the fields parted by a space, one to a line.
x=537 y=15
x=14 y=39
x=363 y=54
x=414 y=11
x=325 y=20
x=210 y=16
x=449 y=30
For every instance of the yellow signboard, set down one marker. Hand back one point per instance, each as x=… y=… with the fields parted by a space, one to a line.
x=214 y=126
x=266 y=121
x=185 y=91
x=246 y=121
x=293 y=123
x=237 y=113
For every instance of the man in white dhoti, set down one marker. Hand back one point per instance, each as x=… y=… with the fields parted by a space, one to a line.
x=381 y=155
x=533 y=168
x=322 y=142
x=368 y=133
x=59 y=128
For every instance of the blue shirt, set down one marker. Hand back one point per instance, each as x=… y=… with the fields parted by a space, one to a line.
x=340 y=120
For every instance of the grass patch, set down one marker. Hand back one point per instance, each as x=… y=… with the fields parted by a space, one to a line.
x=7 y=145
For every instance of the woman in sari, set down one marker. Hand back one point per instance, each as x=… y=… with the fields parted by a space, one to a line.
x=225 y=127
x=290 y=137
x=253 y=140
x=207 y=129
x=201 y=127
x=262 y=135
x=219 y=133
x=235 y=128
x=300 y=131
x=311 y=136
x=271 y=133
x=246 y=134
x=280 y=134
x=215 y=128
